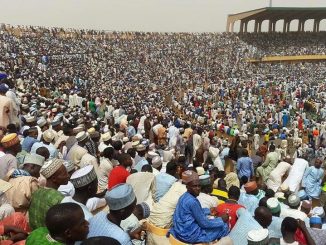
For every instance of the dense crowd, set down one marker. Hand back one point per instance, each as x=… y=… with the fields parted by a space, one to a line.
x=160 y=138
x=290 y=43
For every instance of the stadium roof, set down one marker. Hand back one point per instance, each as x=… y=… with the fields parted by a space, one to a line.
x=281 y=13
x=275 y=13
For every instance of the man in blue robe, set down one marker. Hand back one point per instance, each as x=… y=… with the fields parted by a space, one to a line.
x=312 y=179
x=190 y=222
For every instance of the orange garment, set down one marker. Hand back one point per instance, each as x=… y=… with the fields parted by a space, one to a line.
x=16 y=219
x=161 y=136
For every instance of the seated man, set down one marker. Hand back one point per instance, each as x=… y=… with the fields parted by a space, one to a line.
x=121 y=200
x=190 y=223
x=231 y=205
x=246 y=222
x=44 y=198
x=251 y=198
x=65 y=224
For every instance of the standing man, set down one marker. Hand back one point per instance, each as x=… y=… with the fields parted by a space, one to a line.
x=6 y=106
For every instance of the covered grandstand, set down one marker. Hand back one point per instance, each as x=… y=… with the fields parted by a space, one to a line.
x=275 y=14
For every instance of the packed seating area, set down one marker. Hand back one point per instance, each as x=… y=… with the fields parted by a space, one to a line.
x=160 y=138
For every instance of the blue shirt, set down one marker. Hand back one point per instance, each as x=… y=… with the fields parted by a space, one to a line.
x=191 y=225
x=224 y=153
x=28 y=143
x=250 y=202
x=99 y=225
x=245 y=167
x=53 y=151
x=131 y=131
x=140 y=164
x=274 y=228
x=311 y=180
x=245 y=223
x=164 y=182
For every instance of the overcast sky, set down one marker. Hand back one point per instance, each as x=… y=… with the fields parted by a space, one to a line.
x=136 y=15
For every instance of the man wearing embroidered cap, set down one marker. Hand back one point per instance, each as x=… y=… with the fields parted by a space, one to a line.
x=63 y=137
x=106 y=141
x=121 y=201
x=205 y=199
x=105 y=168
x=316 y=231
x=42 y=126
x=47 y=139
x=84 y=181
x=275 y=227
x=12 y=147
x=57 y=127
x=30 y=139
x=68 y=189
x=190 y=223
x=85 y=141
x=293 y=210
x=56 y=174
x=251 y=198
x=24 y=182
x=140 y=159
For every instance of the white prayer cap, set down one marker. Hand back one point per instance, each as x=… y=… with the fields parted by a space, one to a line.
x=156 y=162
x=141 y=148
x=48 y=135
x=151 y=154
x=78 y=129
x=34 y=159
x=84 y=176
x=200 y=171
x=125 y=139
x=81 y=136
x=318 y=211
x=259 y=236
x=30 y=119
x=41 y=122
x=273 y=205
x=106 y=136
